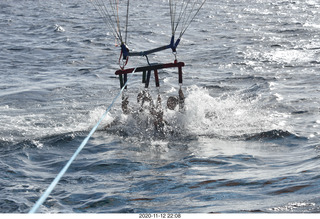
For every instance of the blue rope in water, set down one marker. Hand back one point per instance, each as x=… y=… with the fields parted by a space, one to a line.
x=65 y=168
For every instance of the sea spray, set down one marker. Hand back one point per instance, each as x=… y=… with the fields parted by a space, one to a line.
x=227 y=116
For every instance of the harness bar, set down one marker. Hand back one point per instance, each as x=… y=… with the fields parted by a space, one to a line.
x=126 y=52
x=178 y=65
x=144 y=53
x=147 y=72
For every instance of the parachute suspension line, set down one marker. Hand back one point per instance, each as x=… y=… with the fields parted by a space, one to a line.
x=109 y=17
x=113 y=18
x=118 y=20
x=172 y=15
x=104 y=16
x=85 y=141
x=127 y=21
x=111 y=13
x=185 y=18
x=187 y=12
x=192 y=18
x=182 y=13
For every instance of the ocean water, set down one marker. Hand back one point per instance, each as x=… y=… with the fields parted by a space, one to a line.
x=248 y=141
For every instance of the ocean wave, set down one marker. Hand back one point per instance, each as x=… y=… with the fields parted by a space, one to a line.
x=9 y=206
x=271 y=135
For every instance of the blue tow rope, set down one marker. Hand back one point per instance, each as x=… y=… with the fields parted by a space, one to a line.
x=65 y=168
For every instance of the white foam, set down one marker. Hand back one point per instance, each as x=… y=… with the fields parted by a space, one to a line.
x=230 y=116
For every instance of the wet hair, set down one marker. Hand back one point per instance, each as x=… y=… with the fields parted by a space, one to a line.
x=172 y=102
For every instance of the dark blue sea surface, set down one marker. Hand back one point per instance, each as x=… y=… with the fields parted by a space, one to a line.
x=248 y=140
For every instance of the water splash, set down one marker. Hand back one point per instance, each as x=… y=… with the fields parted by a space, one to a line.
x=227 y=116
x=222 y=117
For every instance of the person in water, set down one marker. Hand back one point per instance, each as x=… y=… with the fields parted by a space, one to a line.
x=145 y=101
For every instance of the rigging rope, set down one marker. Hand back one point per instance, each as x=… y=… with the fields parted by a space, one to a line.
x=107 y=16
x=112 y=14
x=115 y=14
x=187 y=12
x=84 y=142
x=127 y=21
